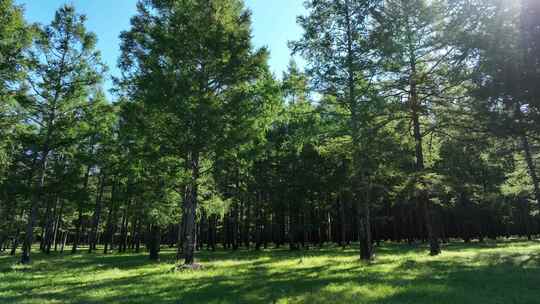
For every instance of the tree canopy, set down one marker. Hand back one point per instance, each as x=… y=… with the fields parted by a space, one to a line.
x=410 y=121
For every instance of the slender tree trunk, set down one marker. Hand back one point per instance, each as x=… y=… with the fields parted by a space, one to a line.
x=200 y=231
x=342 y=220
x=307 y=226
x=214 y=232
x=66 y=233
x=15 y=243
x=180 y=239
x=111 y=220
x=258 y=221
x=109 y=230
x=236 y=237
x=292 y=229
x=78 y=231
x=124 y=229
x=527 y=218
x=137 y=238
x=77 y=238
x=3 y=241
x=58 y=225
x=154 y=242
x=46 y=226
x=38 y=189
x=355 y=127
x=246 y=218
x=366 y=242
x=51 y=227
x=235 y=226
x=423 y=197
x=531 y=166
x=190 y=208
x=97 y=215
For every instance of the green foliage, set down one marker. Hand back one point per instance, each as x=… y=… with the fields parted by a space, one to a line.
x=64 y=71
x=406 y=113
x=15 y=37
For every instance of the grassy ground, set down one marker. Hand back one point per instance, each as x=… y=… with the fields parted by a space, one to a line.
x=504 y=272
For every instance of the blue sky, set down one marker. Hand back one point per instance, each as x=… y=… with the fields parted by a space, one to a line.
x=274 y=23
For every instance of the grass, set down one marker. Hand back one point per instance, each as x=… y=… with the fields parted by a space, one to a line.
x=502 y=272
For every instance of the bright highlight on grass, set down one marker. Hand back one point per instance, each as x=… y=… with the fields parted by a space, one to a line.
x=490 y=273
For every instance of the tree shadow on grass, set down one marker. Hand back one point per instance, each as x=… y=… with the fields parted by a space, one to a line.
x=484 y=277
x=438 y=282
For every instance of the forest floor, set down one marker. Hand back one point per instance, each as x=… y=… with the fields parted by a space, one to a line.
x=495 y=272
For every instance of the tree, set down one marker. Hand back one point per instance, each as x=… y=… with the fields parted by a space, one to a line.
x=504 y=37
x=337 y=45
x=423 y=73
x=530 y=46
x=64 y=69
x=186 y=57
x=15 y=37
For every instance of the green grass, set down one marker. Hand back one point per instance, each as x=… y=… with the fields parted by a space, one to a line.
x=503 y=272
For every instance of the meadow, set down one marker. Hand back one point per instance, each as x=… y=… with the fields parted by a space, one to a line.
x=502 y=272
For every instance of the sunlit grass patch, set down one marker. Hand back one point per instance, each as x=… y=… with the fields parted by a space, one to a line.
x=503 y=272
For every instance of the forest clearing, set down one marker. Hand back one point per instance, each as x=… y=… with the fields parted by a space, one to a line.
x=283 y=151
x=489 y=273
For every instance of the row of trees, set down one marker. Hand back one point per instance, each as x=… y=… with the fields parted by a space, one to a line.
x=413 y=120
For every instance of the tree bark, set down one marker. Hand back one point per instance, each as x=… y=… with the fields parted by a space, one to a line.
x=531 y=166
x=111 y=222
x=29 y=235
x=58 y=225
x=190 y=209
x=423 y=197
x=46 y=229
x=154 y=242
x=66 y=233
x=50 y=234
x=355 y=127
x=366 y=242
x=97 y=215
x=15 y=243
x=342 y=226
x=124 y=229
x=78 y=229
x=80 y=210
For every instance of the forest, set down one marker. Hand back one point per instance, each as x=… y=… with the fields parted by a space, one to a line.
x=409 y=123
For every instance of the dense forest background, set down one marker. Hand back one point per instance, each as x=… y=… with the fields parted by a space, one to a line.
x=412 y=121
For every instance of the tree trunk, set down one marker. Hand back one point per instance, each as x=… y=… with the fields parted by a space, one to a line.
x=15 y=243
x=306 y=227
x=111 y=222
x=66 y=233
x=97 y=215
x=51 y=228
x=124 y=229
x=258 y=221
x=78 y=229
x=423 y=197
x=29 y=236
x=366 y=243
x=154 y=242
x=355 y=127
x=58 y=225
x=80 y=209
x=292 y=230
x=531 y=167
x=190 y=209
x=235 y=227
x=46 y=226
x=180 y=238
x=342 y=222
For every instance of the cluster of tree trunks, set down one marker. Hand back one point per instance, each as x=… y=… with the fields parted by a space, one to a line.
x=339 y=222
